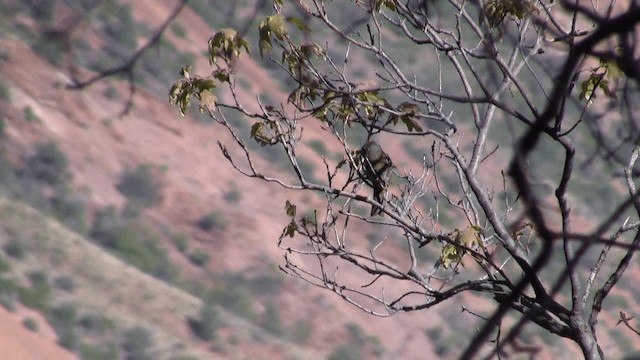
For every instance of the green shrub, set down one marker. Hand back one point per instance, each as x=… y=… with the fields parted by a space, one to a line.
x=207 y=324
x=179 y=30
x=417 y=153
x=157 y=68
x=300 y=332
x=213 y=220
x=8 y=175
x=132 y=210
x=65 y=283
x=141 y=186
x=99 y=352
x=210 y=11
x=272 y=321
x=4 y=265
x=133 y=243
x=97 y=324
x=434 y=334
x=30 y=115
x=37 y=295
x=144 y=251
x=235 y=298
x=199 y=258
x=63 y=315
x=41 y=11
x=15 y=248
x=30 y=323
x=8 y=289
x=48 y=165
x=376 y=346
x=624 y=344
x=119 y=27
x=137 y=343
x=319 y=147
x=3 y=127
x=269 y=282
x=63 y=320
x=106 y=226
x=8 y=302
x=307 y=168
x=70 y=210
x=5 y=92
x=346 y=352
x=111 y=93
x=5 y=55
x=245 y=84
x=634 y=355
x=181 y=242
x=358 y=335
x=233 y=196
x=51 y=48
x=443 y=347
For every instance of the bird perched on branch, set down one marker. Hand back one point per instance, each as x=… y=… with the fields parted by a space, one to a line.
x=376 y=168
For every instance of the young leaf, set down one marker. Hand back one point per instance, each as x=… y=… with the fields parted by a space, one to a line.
x=453 y=252
x=207 y=101
x=299 y=23
x=410 y=123
x=450 y=254
x=290 y=209
x=290 y=230
x=277 y=26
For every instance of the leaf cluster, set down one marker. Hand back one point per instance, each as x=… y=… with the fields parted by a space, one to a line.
x=601 y=77
x=497 y=10
x=183 y=90
x=226 y=44
x=453 y=252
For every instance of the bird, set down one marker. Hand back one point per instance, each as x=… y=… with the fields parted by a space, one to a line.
x=376 y=168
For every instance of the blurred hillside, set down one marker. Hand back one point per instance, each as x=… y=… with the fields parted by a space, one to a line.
x=132 y=237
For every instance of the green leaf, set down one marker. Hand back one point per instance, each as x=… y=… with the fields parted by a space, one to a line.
x=290 y=209
x=389 y=4
x=207 y=101
x=221 y=75
x=180 y=95
x=612 y=69
x=470 y=237
x=452 y=252
x=226 y=44
x=184 y=71
x=265 y=38
x=314 y=49
x=409 y=108
x=203 y=84
x=265 y=46
x=277 y=26
x=410 y=123
x=256 y=129
x=604 y=85
x=290 y=230
x=259 y=136
x=274 y=24
x=497 y=10
x=587 y=89
x=299 y=23
x=245 y=44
